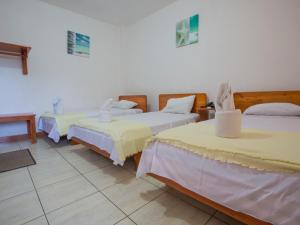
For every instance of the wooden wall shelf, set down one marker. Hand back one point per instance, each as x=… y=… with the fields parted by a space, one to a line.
x=16 y=50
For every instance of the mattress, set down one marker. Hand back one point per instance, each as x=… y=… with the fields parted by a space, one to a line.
x=157 y=121
x=269 y=196
x=49 y=124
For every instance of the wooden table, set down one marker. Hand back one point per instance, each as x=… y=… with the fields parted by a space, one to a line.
x=28 y=117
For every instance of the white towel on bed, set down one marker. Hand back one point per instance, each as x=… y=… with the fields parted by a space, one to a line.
x=105 y=111
x=224 y=101
x=106 y=106
x=57 y=106
x=228 y=119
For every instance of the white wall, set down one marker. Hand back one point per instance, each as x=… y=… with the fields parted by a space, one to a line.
x=80 y=82
x=254 y=44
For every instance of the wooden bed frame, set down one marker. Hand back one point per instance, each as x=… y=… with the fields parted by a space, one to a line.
x=242 y=100
x=200 y=100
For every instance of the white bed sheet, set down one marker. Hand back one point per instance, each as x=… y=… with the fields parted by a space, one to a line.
x=269 y=196
x=49 y=124
x=157 y=121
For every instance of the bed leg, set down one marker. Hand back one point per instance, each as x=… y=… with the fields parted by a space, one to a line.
x=73 y=142
x=136 y=158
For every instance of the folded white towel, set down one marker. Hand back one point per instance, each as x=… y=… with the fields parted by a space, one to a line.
x=228 y=123
x=105 y=116
x=57 y=106
x=228 y=120
x=225 y=101
x=106 y=106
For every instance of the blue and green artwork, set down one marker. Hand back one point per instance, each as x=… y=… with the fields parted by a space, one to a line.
x=78 y=44
x=187 y=31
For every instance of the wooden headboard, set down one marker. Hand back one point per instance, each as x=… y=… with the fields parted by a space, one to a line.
x=243 y=100
x=141 y=100
x=200 y=100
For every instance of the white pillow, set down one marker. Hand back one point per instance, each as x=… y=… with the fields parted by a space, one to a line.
x=274 y=109
x=180 y=105
x=124 y=104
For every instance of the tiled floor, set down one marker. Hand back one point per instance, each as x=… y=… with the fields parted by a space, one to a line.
x=71 y=185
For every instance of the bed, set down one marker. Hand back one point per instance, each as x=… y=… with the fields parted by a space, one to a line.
x=248 y=195
x=48 y=124
x=155 y=121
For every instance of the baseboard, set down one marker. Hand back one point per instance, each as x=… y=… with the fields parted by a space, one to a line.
x=20 y=137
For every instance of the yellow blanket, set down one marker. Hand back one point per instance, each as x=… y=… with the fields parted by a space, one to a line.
x=64 y=121
x=262 y=150
x=129 y=137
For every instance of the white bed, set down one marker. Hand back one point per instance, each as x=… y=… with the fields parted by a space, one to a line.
x=268 y=196
x=49 y=125
x=157 y=121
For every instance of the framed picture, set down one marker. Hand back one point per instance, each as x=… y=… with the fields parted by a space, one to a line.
x=187 y=31
x=78 y=44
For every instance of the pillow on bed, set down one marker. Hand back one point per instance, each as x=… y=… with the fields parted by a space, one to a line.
x=180 y=105
x=274 y=109
x=124 y=104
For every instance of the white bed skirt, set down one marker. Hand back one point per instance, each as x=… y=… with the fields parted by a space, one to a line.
x=271 y=197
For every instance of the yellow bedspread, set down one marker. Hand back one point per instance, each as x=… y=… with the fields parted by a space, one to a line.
x=64 y=121
x=262 y=150
x=129 y=137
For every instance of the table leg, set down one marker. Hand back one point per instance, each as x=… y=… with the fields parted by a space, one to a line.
x=31 y=130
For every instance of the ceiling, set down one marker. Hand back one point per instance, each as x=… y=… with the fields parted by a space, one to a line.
x=117 y=12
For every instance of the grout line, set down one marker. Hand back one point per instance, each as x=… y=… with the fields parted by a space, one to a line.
x=127 y=216
x=17 y=195
x=38 y=196
x=209 y=219
x=146 y=203
x=182 y=199
x=99 y=191
x=222 y=220
x=70 y=203
x=131 y=220
x=33 y=220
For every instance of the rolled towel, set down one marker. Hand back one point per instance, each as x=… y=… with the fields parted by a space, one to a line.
x=57 y=106
x=106 y=106
x=224 y=101
x=105 y=116
x=228 y=123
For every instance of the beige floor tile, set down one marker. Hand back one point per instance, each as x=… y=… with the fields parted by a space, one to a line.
x=42 y=143
x=227 y=219
x=191 y=201
x=73 y=153
x=51 y=172
x=9 y=147
x=154 y=181
x=45 y=155
x=85 y=166
x=15 y=182
x=215 y=221
x=20 y=209
x=125 y=221
x=168 y=209
x=39 y=221
x=69 y=148
x=108 y=176
x=56 y=195
x=131 y=194
x=93 y=210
